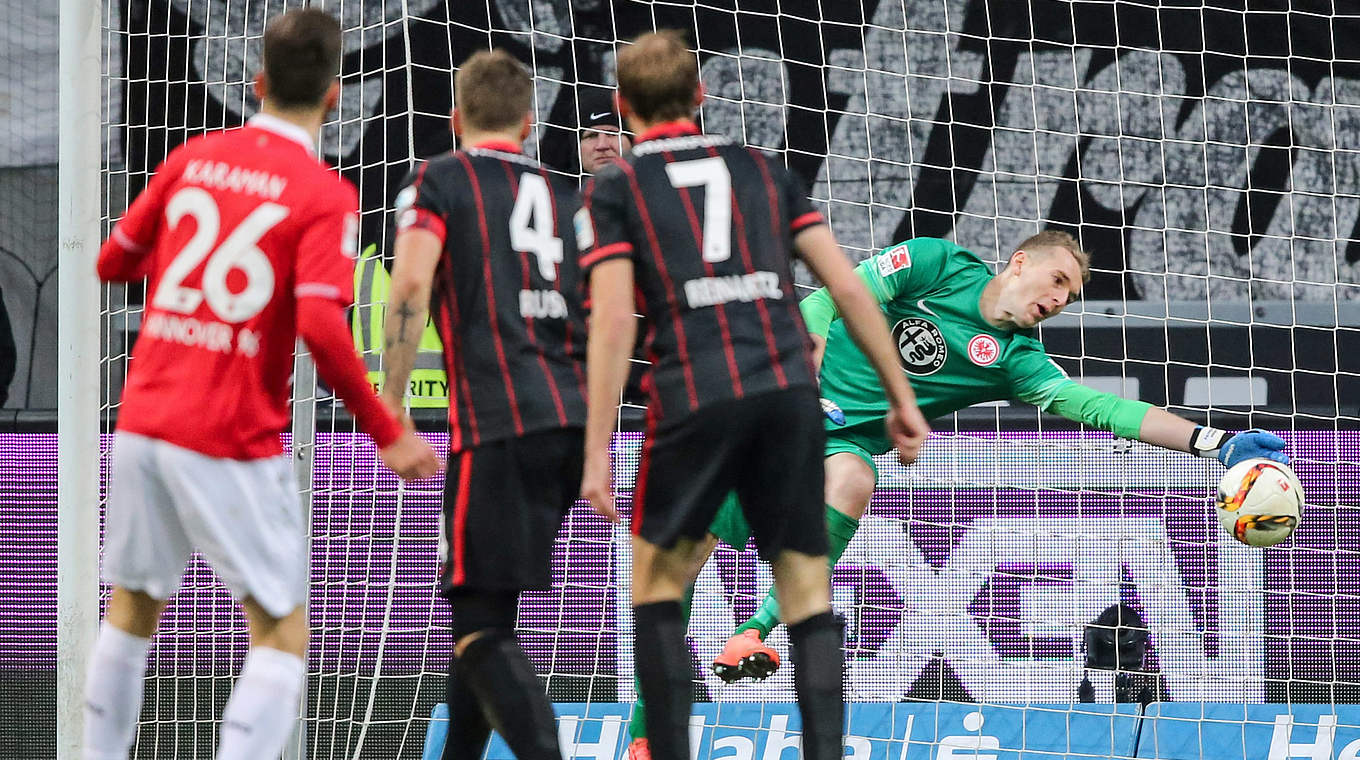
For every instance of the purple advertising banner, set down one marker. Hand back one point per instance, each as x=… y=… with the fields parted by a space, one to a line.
x=975 y=571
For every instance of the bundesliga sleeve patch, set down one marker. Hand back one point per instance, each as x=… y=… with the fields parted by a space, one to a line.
x=421 y=219
x=585 y=230
x=893 y=260
x=406 y=198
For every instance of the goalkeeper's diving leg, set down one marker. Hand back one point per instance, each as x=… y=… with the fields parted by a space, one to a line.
x=850 y=481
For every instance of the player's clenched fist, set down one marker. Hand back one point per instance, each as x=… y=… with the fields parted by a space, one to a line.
x=907 y=429
x=410 y=457
x=595 y=487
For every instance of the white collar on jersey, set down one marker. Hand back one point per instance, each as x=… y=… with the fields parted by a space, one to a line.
x=283 y=128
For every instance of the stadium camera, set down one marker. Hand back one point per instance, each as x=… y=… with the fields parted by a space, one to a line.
x=1117 y=639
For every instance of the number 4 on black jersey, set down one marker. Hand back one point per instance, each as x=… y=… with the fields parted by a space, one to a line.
x=506 y=297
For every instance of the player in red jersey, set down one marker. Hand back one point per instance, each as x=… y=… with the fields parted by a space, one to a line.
x=247 y=239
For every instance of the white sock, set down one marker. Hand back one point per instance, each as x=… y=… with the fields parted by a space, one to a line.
x=113 y=693
x=259 y=716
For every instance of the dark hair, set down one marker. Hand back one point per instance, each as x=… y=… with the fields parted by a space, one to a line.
x=658 y=76
x=301 y=56
x=492 y=91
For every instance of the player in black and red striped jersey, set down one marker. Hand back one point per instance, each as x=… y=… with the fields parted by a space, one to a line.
x=486 y=236
x=702 y=232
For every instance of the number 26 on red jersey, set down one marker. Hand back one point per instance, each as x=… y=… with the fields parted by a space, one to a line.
x=239 y=250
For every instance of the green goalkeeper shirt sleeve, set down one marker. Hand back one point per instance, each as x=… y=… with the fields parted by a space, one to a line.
x=1036 y=379
x=1121 y=416
x=819 y=310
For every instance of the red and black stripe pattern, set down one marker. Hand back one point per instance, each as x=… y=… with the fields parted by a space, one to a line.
x=507 y=297
x=709 y=227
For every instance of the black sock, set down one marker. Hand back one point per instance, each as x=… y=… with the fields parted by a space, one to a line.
x=819 y=661
x=664 y=675
x=468 y=729
x=497 y=671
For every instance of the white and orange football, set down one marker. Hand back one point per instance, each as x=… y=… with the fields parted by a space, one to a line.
x=1259 y=502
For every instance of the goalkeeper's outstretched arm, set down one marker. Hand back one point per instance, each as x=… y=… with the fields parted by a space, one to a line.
x=1147 y=423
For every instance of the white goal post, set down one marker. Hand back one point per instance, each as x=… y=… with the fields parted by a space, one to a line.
x=80 y=127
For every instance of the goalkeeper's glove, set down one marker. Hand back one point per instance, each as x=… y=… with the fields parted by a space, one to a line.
x=832 y=411
x=1231 y=449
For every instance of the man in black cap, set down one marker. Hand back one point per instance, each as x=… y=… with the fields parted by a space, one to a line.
x=601 y=139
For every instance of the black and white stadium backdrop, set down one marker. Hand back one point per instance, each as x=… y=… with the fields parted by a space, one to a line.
x=1208 y=156
x=1198 y=150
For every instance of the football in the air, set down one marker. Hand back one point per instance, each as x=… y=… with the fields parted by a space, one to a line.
x=1259 y=502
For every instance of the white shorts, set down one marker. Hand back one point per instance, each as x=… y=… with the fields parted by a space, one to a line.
x=244 y=517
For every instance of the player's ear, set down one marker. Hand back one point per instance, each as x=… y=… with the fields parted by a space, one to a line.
x=261 y=86
x=1017 y=261
x=332 y=97
x=456 y=120
x=526 y=126
x=626 y=114
x=698 y=95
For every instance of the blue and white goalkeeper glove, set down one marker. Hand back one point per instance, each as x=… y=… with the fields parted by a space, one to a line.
x=1231 y=449
x=832 y=411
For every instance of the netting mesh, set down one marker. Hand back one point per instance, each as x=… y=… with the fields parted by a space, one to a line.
x=28 y=213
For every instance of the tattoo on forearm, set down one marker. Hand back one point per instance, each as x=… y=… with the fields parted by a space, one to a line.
x=406 y=313
x=405 y=323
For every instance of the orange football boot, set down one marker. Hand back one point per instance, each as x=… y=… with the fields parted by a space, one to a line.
x=745 y=656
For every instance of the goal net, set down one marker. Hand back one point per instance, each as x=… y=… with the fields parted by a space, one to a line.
x=1207 y=158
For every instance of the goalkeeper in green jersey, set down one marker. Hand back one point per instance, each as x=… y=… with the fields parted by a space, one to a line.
x=964 y=335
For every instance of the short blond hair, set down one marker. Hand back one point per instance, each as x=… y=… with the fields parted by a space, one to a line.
x=492 y=91
x=1060 y=239
x=658 y=76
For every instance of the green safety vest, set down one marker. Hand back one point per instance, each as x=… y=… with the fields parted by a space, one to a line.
x=429 y=386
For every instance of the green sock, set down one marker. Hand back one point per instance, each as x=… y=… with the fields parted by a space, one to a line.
x=840 y=528
x=637 y=722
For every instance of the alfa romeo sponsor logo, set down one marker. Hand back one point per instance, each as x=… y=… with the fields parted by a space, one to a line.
x=983 y=350
x=921 y=346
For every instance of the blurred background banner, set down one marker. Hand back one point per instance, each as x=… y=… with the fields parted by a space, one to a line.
x=909 y=118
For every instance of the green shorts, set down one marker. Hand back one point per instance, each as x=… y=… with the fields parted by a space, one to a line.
x=863 y=440
x=729 y=525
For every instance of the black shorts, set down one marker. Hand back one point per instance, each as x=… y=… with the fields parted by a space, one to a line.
x=503 y=504
x=768 y=448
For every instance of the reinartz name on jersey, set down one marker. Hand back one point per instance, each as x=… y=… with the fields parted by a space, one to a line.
x=213 y=336
x=711 y=291
x=225 y=176
x=683 y=142
x=542 y=304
